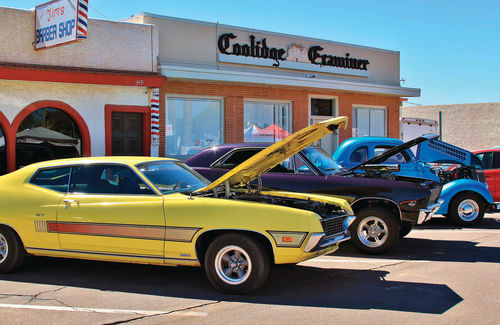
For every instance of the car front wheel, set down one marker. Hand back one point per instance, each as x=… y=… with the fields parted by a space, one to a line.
x=374 y=230
x=11 y=251
x=466 y=209
x=236 y=263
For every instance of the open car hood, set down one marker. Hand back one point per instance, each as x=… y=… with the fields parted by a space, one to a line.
x=277 y=152
x=437 y=151
x=398 y=149
x=429 y=150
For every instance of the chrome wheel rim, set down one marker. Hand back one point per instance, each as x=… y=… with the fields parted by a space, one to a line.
x=468 y=210
x=4 y=249
x=373 y=232
x=233 y=265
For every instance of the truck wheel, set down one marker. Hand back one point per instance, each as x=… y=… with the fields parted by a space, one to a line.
x=405 y=229
x=466 y=209
x=236 y=263
x=374 y=230
x=11 y=251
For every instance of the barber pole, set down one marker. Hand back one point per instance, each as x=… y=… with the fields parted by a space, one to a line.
x=81 y=32
x=155 y=117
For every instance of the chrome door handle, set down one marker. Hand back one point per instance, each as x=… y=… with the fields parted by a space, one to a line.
x=69 y=202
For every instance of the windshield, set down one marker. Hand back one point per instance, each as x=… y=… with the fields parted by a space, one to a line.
x=172 y=176
x=321 y=159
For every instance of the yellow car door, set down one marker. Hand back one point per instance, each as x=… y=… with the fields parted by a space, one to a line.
x=110 y=211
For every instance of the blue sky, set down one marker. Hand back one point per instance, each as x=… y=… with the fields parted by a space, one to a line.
x=449 y=49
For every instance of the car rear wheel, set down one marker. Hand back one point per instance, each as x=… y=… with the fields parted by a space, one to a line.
x=374 y=230
x=11 y=251
x=236 y=263
x=466 y=209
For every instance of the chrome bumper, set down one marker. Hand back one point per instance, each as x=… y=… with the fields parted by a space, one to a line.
x=318 y=241
x=428 y=212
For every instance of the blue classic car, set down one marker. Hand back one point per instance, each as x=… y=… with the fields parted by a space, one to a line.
x=465 y=194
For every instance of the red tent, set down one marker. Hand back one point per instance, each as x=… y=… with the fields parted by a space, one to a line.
x=274 y=131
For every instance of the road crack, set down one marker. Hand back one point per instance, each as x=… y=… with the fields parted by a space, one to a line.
x=163 y=314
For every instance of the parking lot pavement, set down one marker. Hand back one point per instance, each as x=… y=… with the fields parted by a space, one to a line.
x=439 y=273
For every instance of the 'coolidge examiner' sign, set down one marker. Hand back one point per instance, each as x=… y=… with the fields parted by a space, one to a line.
x=259 y=52
x=60 y=21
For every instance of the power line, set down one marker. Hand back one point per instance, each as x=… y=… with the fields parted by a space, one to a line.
x=99 y=12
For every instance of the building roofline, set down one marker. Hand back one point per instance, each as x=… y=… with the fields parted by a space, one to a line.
x=246 y=29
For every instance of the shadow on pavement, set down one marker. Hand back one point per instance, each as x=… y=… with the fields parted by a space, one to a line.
x=289 y=285
x=440 y=222
x=451 y=250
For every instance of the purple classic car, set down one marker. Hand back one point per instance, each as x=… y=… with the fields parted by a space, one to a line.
x=386 y=210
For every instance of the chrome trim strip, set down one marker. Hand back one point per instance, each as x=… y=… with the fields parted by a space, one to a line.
x=318 y=241
x=234 y=229
x=380 y=198
x=427 y=213
x=110 y=254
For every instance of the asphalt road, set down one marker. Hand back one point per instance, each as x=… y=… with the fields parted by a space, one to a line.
x=438 y=274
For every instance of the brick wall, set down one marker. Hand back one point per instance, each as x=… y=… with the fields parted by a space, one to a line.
x=234 y=96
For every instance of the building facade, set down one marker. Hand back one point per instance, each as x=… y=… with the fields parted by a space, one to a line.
x=91 y=97
x=469 y=126
x=232 y=84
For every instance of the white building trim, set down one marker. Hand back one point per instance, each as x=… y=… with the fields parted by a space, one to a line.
x=196 y=73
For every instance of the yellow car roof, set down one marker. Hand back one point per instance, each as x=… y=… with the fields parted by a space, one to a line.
x=277 y=152
x=130 y=160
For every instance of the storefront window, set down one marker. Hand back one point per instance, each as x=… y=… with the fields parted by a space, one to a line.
x=3 y=153
x=47 y=133
x=192 y=124
x=266 y=122
x=368 y=121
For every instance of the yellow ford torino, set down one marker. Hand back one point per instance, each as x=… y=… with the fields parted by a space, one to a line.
x=159 y=211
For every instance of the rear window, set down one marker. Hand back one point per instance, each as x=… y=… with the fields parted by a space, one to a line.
x=55 y=179
x=235 y=158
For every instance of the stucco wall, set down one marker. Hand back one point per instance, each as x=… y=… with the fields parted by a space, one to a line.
x=88 y=100
x=189 y=42
x=110 y=45
x=470 y=126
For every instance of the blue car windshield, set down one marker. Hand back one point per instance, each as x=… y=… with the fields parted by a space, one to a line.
x=172 y=176
x=321 y=159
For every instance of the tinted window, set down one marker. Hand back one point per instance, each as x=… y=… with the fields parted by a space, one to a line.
x=496 y=160
x=360 y=155
x=54 y=179
x=107 y=179
x=399 y=158
x=487 y=159
x=235 y=158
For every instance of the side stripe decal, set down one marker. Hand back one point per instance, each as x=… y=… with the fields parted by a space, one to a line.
x=150 y=232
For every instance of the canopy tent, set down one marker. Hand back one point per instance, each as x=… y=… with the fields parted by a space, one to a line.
x=41 y=134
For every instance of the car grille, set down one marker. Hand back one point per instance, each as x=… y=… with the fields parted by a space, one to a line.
x=333 y=226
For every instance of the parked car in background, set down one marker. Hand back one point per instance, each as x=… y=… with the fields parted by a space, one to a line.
x=385 y=210
x=491 y=163
x=159 y=211
x=465 y=194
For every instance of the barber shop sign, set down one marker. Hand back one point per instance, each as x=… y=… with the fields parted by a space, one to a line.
x=60 y=22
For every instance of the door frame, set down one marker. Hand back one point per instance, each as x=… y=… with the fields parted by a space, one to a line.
x=146 y=125
x=323 y=117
